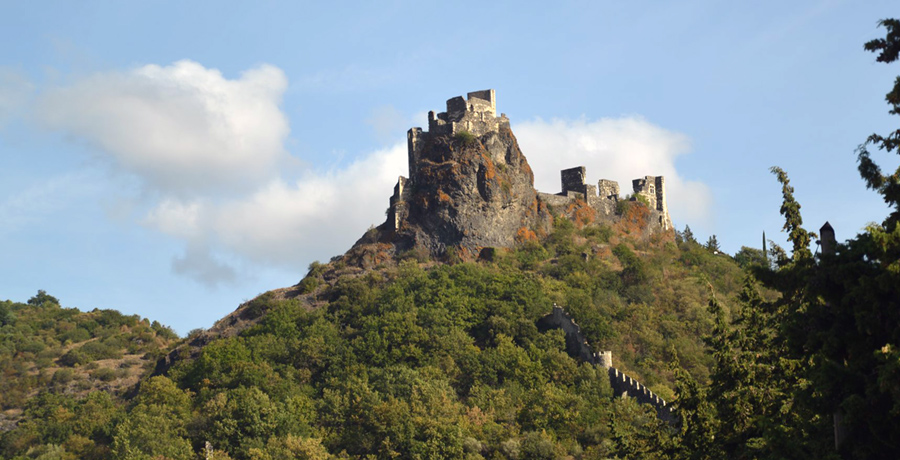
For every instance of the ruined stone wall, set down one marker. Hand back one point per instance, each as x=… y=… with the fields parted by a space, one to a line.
x=626 y=387
x=555 y=200
x=622 y=385
x=576 y=345
x=608 y=189
x=397 y=210
x=604 y=196
x=572 y=180
x=477 y=114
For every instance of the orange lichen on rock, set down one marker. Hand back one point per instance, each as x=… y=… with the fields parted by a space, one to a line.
x=443 y=197
x=581 y=213
x=490 y=171
x=524 y=234
x=634 y=218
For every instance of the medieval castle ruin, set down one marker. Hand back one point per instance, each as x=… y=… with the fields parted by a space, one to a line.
x=476 y=116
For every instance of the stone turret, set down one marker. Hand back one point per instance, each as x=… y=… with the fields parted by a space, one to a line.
x=608 y=189
x=653 y=188
x=476 y=115
x=573 y=180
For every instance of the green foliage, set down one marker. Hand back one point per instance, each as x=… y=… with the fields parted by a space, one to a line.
x=43 y=298
x=6 y=316
x=817 y=366
x=793 y=222
x=447 y=361
x=751 y=257
x=888 y=186
x=63 y=413
x=465 y=137
x=417 y=361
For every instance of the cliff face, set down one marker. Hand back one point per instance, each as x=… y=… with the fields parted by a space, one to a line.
x=468 y=192
x=471 y=188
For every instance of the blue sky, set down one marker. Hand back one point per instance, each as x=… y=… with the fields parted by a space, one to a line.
x=173 y=159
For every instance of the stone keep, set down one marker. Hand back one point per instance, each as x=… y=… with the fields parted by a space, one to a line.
x=477 y=115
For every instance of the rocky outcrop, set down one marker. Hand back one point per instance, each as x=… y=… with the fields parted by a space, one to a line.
x=470 y=190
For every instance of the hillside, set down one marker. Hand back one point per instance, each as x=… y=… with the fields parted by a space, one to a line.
x=432 y=360
x=48 y=349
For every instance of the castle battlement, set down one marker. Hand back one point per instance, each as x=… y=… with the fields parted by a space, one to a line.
x=476 y=114
x=605 y=194
x=623 y=386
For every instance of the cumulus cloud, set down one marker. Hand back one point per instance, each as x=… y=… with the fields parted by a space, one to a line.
x=289 y=223
x=211 y=151
x=183 y=128
x=620 y=149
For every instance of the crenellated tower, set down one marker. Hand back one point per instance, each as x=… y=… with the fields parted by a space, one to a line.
x=476 y=115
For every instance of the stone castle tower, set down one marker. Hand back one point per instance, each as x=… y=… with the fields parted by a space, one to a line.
x=476 y=115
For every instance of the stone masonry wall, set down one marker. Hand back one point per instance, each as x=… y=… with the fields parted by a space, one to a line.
x=622 y=385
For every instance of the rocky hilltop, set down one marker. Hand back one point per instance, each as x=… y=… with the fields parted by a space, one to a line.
x=470 y=191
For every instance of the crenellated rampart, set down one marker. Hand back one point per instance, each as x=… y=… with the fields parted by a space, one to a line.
x=622 y=385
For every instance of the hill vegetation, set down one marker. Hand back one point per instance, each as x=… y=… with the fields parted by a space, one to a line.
x=50 y=355
x=427 y=360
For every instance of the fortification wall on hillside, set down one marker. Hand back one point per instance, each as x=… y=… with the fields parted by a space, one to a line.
x=622 y=385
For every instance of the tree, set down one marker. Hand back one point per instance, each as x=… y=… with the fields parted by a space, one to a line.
x=751 y=257
x=888 y=49
x=41 y=298
x=840 y=313
x=713 y=244
x=6 y=316
x=688 y=235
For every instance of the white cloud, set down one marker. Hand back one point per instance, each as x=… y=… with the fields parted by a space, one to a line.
x=620 y=149
x=182 y=128
x=177 y=218
x=287 y=223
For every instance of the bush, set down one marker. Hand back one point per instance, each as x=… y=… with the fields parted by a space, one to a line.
x=308 y=284
x=100 y=350
x=74 y=357
x=599 y=233
x=75 y=336
x=63 y=376
x=104 y=374
x=465 y=137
